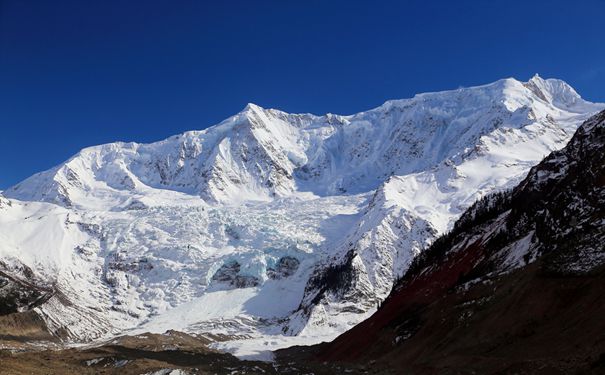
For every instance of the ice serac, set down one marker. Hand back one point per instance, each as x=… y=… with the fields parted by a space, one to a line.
x=206 y=230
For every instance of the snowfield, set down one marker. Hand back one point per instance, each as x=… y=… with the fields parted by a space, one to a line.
x=271 y=229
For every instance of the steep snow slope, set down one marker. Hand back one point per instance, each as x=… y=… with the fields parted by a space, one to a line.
x=297 y=224
x=515 y=286
x=502 y=139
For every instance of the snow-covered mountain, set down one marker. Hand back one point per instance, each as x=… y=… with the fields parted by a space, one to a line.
x=516 y=284
x=269 y=227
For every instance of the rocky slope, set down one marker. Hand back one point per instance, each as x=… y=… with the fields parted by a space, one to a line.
x=515 y=286
x=206 y=230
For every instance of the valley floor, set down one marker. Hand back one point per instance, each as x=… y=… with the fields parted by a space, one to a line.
x=526 y=322
x=174 y=353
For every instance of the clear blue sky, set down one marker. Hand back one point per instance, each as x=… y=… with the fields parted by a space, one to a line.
x=78 y=73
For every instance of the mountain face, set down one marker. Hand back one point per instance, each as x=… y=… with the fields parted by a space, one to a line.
x=288 y=226
x=515 y=286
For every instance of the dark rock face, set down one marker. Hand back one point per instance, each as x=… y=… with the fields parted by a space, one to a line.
x=18 y=294
x=285 y=267
x=565 y=197
x=560 y=204
x=229 y=273
x=337 y=279
x=341 y=281
x=245 y=281
x=516 y=286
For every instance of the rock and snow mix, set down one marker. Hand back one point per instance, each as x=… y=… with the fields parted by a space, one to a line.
x=271 y=228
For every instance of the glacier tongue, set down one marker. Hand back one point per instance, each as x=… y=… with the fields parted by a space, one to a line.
x=272 y=228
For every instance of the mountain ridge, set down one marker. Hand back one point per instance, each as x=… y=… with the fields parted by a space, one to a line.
x=267 y=128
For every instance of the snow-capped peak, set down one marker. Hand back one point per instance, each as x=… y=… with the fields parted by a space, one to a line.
x=556 y=91
x=262 y=153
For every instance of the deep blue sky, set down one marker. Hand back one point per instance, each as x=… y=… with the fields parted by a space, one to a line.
x=78 y=73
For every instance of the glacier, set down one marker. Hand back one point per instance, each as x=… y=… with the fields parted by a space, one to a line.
x=270 y=229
